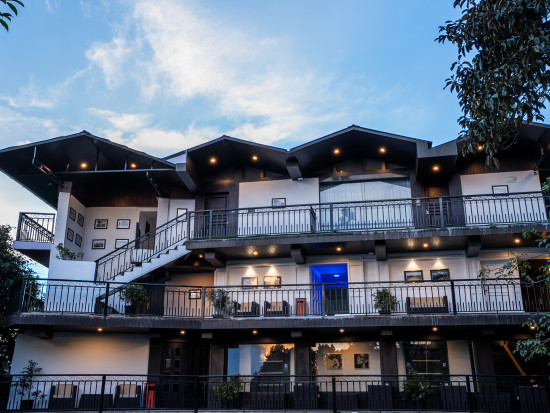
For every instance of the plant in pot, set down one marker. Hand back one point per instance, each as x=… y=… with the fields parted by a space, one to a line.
x=221 y=301
x=228 y=391
x=416 y=388
x=26 y=386
x=384 y=301
x=136 y=298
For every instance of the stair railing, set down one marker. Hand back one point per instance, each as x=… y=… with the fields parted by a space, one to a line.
x=142 y=249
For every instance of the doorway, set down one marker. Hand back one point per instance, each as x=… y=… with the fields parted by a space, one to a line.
x=222 y=219
x=333 y=278
x=147 y=224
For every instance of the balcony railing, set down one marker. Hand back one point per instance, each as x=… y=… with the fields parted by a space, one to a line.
x=277 y=392
x=490 y=296
x=35 y=227
x=418 y=213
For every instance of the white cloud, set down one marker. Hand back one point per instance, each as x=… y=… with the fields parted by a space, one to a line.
x=29 y=97
x=17 y=128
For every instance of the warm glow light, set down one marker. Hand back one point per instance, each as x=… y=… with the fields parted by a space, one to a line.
x=532 y=327
x=435 y=168
x=382 y=150
x=213 y=160
x=342 y=330
x=425 y=245
x=133 y=165
x=336 y=151
x=254 y=332
x=479 y=148
x=83 y=165
x=182 y=332
x=254 y=158
x=200 y=255
x=435 y=328
x=517 y=240
x=255 y=252
x=338 y=249
x=99 y=329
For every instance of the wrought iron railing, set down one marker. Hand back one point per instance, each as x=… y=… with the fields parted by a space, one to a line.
x=418 y=213
x=278 y=392
x=488 y=296
x=35 y=227
x=142 y=249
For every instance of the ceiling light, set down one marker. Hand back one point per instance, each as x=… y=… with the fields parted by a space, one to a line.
x=254 y=332
x=382 y=149
x=435 y=168
x=480 y=148
x=517 y=240
x=254 y=252
x=213 y=160
x=336 y=275
x=182 y=332
x=133 y=165
x=336 y=151
x=533 y=327
x=83 y=165
x=254 y=158
x=425 y=245
x=99 y=329
x=200 y=255
x=338 y=249
x=342 y=330
x=435 y=328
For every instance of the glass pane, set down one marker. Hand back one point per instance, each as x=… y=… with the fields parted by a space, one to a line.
x=426 y=357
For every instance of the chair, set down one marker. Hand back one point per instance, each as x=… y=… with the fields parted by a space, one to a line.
x=127 y=396
x=62 y=396
x=251 y=309
x=427 y=305
x=276 y=308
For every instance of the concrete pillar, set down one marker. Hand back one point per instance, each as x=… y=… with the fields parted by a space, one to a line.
x=301 y=358
x=217 y=359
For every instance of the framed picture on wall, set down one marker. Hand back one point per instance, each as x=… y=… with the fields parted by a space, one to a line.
x=98 y=244
x=272 y=281
x=70 y=234
x=278 y=202
x=181 y=213
x=334 y=361
x=101 y=223
x=500 y=189
x=195 y=294
x=249 y=281
x=72 y=214
x=361 y=360
x=122 y=224
x=413 y=276
x=78 y=240
x=80 y=220
x=119 y=243
x=440 y=275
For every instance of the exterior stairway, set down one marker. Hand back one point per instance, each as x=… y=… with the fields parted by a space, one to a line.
x=145 y=254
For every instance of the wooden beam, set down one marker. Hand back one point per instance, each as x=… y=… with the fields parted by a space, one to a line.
x=473 y=246
x=214 y=259
x=293 y=168
x=380 y=250
x=182 y=169
x=297 y=254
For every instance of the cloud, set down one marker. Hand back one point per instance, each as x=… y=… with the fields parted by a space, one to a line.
x=29 y=97
x=17 y=128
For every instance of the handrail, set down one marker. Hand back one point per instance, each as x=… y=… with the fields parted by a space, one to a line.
x=37 y=227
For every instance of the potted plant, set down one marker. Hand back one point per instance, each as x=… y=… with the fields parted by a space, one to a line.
x=228 y=391
x=384 y=301
x=64 y=253
x=221 y=301
x=26 y=387
x=416 y=388
x=136 y=298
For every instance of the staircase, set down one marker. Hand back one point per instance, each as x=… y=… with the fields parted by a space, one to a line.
x=146 y=253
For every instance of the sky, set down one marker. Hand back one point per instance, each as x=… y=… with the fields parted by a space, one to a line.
x=165 y=75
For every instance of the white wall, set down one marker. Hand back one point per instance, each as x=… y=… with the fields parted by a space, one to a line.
x=259 y=194
x=517 y=181
x=83 y=353
x=459 y=357
x=456 y=263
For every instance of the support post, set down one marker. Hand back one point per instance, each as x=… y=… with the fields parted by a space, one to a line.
x=107 y=287
x=453 y=297
x=103 y=380
x=334 y=410
x=441 y=212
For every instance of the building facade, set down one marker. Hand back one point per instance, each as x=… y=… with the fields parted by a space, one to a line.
x=358 y=271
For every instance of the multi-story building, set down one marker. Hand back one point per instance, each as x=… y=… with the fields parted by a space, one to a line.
x=342 y=274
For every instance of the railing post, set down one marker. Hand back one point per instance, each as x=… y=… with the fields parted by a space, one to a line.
x=453 y=297
x=331 y=218
x=203 y=301
x=323 y=308
x=22 y=295
x=107 y=287
x=103 y=380
x=18 y=233
x=469 y=395
x=441 y=212
x=197 y=393
x=210 y=224
x=188 y=216
x=334 y=410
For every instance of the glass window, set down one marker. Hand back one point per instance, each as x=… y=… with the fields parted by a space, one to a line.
x=358 y=358
x=365 y=190
x=425 y=357
x=261 y=359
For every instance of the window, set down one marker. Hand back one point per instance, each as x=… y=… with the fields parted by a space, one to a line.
x=425 y=357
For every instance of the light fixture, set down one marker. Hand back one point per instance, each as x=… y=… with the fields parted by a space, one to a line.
x=254 y=157
x=213 y=160
x=83 y=165
x=517 y=240
x=336 y=275
x=182 y=332
x=254 y=252
x=382 y=149
x=533 y=327
x=254 y=332
x=342 y=330
x=434 y=328
x=338 y=249
x=480 y=148
x=200 y=255
x=336 y=151
x=133 y=165
x=425 y=245
x=99 y=329
x=435 y=168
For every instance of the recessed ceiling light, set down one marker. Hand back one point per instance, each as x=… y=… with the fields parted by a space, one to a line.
x=425 y=245
x=213 y=160
x=133 y=165
x=200 y=255
x=480 y=148
x=338 y=249
x=382 y=149
x=336 y=151
x=254 y=158
x=517 y=240
x=182 y=332
x=434 y=328
x=99 y=329
x=254 y=252
x=336 y=275
x=532 y=327
x=342 y=330
x=254 y=332
x=435 y=168
x=83 y=165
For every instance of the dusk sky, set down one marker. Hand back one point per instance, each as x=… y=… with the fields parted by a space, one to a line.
x=162 y=76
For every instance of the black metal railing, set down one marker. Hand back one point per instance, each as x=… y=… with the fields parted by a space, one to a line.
x=35 y=227
x=144 y=248
x=417 y=213
x=279 y=392
x=488 y=296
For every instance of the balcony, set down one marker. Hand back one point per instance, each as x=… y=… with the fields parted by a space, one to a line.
x=35 y=236
x=275 y=392
x=353 y=304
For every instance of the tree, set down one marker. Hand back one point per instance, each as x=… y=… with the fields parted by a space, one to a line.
x=12 y=269
x=501 y=75
x=5 y=16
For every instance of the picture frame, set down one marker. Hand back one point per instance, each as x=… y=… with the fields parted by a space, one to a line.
x=195 y=294
x=500 y=189
x=272 y=281
x=361 y=361
x=249 y=281
x=98 y=244
x=440 y=275
x=181 y=214
x=334 y=361
x=80 y=220
x=101 y=223
x=72 y=214
x=414 y=276
x=70 y=234
x=278 y=202
x=123 y=224
x=119 y=243
x=78 y=240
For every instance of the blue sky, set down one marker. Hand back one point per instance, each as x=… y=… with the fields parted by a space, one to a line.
x=161 y=76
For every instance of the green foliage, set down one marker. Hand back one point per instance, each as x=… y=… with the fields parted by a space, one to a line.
x=135 y=294
x=64 y=253
x=221 y=301
x=501 y=75
x=25 y=383
x=415 y=387
x=384 y=300
x=13 y=268
x=538 y=344
x=6 y=14
x=228 y=390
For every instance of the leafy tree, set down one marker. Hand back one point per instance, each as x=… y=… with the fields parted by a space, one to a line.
x=501 y=75
x=12 y=269
x=6 y=14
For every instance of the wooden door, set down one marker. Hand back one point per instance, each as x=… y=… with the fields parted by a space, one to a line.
x=221 y=217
